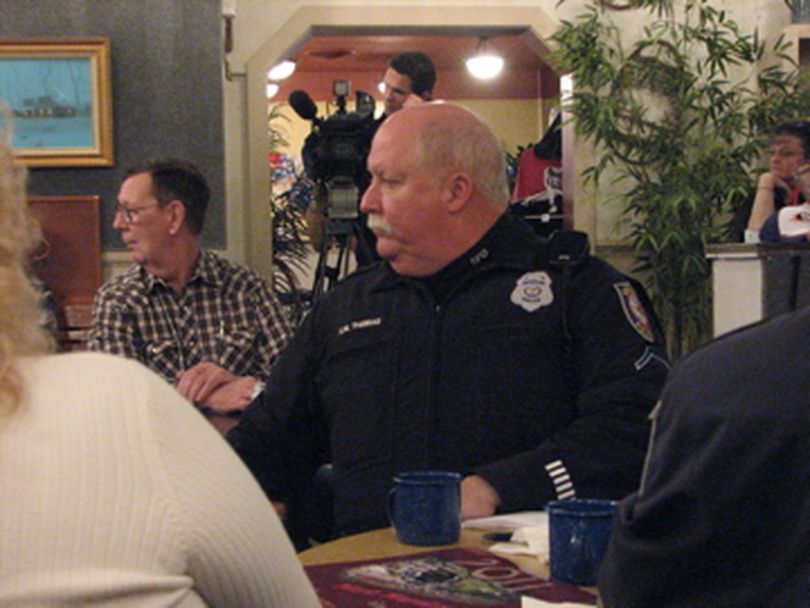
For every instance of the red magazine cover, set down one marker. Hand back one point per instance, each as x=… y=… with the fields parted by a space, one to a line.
x=444 y=578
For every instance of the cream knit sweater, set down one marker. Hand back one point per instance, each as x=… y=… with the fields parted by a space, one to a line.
x=114 y=491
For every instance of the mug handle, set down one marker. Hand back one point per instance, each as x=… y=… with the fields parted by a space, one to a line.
x=389 y=507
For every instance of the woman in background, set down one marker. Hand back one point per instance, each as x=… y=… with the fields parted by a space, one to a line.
x=790 y=148
x=113 y=490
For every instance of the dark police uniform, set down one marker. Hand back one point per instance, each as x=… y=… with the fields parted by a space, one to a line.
x=722 y=519
x=492 y=367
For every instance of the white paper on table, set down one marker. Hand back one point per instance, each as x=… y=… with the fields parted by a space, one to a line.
x=794 y=220
x=533 y=602
x=536 y=539
x=532 y=540
x=511 y=548
x=509 y=521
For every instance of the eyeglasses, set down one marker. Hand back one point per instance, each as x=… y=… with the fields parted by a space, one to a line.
x=784 y=151
x=131 y=213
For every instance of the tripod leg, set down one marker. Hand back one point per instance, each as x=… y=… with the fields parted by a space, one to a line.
x=321 y=268
x=326 y=275
x=342 y=263
x=365 y=248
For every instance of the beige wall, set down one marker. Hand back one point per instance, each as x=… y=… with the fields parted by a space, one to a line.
x=265 y=29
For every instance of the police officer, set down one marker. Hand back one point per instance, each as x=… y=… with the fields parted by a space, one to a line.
x=473 y=346
x=722 y=517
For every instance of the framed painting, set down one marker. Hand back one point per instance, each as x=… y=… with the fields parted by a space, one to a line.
x=58 y=91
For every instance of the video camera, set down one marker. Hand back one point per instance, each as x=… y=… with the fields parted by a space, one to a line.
x=335 y=152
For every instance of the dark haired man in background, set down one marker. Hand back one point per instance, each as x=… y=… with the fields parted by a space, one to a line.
x=207 y=325
x=409 y=80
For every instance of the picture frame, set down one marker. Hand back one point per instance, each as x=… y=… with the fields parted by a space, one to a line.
x=59 y=94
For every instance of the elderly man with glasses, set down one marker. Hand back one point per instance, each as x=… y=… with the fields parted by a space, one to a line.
x=208 y=326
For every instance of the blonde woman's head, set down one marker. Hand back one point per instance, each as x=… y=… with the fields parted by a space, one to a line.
x=22 y=330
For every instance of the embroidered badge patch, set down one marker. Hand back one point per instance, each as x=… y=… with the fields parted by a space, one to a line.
x=634 y=310
x=533 y=291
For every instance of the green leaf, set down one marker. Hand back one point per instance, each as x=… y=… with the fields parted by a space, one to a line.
x=681 y=133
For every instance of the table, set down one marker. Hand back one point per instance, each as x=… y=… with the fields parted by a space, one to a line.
x=383 y=543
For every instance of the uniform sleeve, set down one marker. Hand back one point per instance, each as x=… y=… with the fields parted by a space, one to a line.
x=721 y=517
x=656 y=545
x=281 y=435
x=617 y=365
x=114 y=329
x=238 y=551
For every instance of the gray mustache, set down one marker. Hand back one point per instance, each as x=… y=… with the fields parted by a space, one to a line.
x=378 y=224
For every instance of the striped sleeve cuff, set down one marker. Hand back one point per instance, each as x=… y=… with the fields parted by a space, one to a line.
x=563 y=485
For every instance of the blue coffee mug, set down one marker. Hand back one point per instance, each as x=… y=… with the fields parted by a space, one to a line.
x=579 y=533
x=425 y=507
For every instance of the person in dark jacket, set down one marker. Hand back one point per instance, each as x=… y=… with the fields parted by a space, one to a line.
x=777 y=187
x=722 y=517
x=526 y=365
x=409 y=80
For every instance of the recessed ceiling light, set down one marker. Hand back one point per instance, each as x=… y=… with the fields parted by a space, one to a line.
x=281 y=70
x=486 y=63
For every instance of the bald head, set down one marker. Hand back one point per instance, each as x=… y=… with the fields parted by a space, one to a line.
x=452 y=138
x=438 y=185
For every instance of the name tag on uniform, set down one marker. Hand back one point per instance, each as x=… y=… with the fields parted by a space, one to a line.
x=361 y=324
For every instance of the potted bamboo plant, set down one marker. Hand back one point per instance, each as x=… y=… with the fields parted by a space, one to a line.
x=677 y=121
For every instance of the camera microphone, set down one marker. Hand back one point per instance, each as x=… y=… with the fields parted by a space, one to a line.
x=303 y=105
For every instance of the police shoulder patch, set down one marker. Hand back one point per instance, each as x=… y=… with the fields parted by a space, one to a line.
x=634 y=310
x=533 y=291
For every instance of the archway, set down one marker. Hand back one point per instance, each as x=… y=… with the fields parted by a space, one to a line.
x=304 y=23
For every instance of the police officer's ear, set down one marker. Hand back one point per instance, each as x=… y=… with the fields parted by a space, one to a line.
x=457 y=189
x=177 y=215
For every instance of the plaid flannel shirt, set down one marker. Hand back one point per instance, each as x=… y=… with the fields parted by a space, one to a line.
x=225 y=315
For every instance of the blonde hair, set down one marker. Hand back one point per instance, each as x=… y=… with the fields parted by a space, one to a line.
x=22 y=328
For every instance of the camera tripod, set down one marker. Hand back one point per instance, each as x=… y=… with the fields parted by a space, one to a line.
x=341 y=239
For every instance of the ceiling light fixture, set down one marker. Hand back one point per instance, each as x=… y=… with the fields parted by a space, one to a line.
x=272 y=89
x=486 y=63
x=281 y=70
